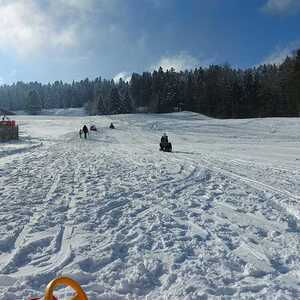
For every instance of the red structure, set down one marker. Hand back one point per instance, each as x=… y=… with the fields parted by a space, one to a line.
x=8 y=122
x=8 y=130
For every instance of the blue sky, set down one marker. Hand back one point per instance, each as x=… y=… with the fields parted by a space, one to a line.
x=48 y=40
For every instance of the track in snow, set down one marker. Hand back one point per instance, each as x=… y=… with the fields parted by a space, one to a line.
x=129 y=221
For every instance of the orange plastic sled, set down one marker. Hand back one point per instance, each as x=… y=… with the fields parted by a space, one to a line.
x=80 y=294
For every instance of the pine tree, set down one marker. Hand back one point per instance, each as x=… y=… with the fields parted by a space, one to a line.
x=33 y=103
x=115 y=102
x=127 y=103
x=100 y=106
x=188 y=93
x=294 y=87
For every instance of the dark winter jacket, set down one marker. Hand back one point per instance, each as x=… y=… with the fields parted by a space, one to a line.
x=85 y=129
x=164 y=140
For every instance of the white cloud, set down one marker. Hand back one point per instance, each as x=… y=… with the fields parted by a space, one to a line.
x=31 y=26
x=125 y=76
x=26 y=27
x=281 y=7
x=279 y=54
x=180 y=62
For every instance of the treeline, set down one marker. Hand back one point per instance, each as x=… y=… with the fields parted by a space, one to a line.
x=97 y=96
x=223 y=92
x=55 y=95
x=217 y=91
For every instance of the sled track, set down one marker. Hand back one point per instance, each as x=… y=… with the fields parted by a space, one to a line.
x=256 y=184
x=20 y=150
x=24 y=247
x=291 y=199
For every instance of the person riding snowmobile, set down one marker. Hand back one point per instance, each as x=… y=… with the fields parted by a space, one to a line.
x=164 y=139
x=164 y=144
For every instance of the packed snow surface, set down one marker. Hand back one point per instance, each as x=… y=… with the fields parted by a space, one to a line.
x=219 y=218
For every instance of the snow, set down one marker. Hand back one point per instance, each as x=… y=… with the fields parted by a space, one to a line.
x=219 y=218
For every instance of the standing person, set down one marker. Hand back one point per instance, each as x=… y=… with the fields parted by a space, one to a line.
x=80 y=132
x=85 y=131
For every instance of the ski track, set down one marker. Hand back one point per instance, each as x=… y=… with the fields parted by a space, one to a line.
x=130 y=222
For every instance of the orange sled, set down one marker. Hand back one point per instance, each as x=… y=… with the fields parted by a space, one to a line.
x=80 y=294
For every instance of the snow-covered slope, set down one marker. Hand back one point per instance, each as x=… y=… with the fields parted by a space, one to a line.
x=218 y=217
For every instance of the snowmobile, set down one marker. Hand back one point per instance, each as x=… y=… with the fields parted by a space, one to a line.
x=165 y=145
x=93 y=128
x=80 y=294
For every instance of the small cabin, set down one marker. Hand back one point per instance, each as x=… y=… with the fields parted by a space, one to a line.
x=8 y=130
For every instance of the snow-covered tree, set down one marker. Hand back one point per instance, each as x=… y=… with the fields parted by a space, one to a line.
x=116 y=105
x=33 y=103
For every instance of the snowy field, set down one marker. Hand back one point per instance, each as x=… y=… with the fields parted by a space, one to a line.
x=219 y=218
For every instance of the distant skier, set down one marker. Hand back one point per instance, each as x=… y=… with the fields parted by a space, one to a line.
x=111 y=126
x=80 y=132
x=85 y=131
